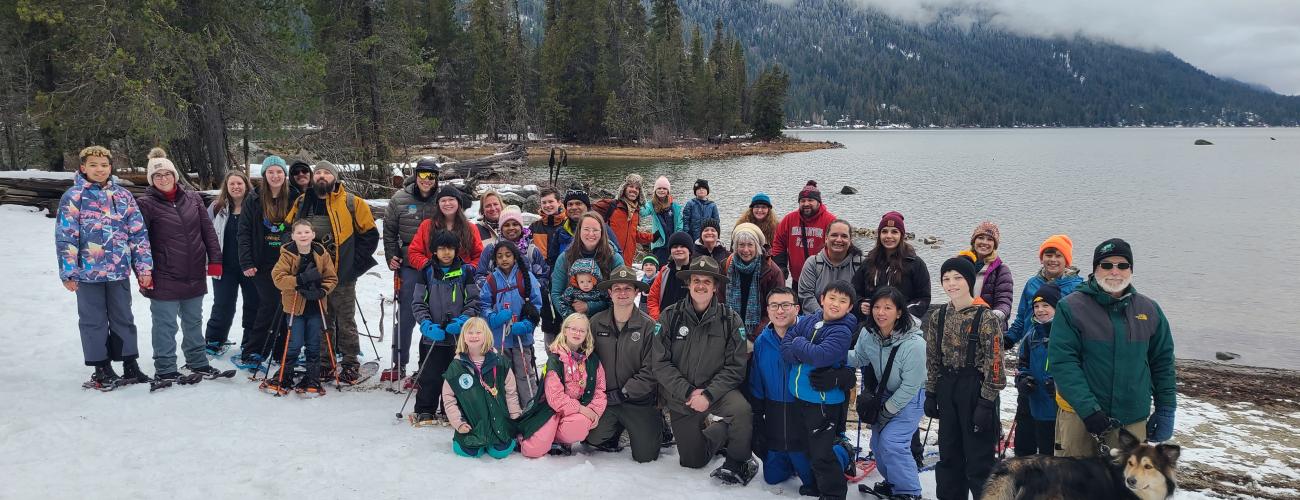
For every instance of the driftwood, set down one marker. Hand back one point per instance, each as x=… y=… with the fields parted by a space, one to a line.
x=512 y=155
x=46 y=192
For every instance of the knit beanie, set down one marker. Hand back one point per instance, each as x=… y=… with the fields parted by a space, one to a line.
x=701 y=183
x=662 y=182
x=449 y=191
x=584 y=265
x=159 y=165
x=328 y=167
x=963 y=266
x=511 y=213
x=1110 y=248
x=892 y=219
x=988 y=229
x=651 y=259
x=747 y=231
x=711 y=223
x=680 y=238
x=444 y=238
x=811 y=191
x=577 y=194
x=760 y=199
x=1062 y=244
x=1049 y=293
x=274 y=161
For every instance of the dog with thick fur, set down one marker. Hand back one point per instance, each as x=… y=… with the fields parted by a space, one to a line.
x=1135 y=470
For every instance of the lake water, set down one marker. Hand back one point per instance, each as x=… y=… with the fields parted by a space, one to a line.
x=1212 y=232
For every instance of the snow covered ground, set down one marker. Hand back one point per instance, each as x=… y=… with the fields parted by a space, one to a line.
x=225 y=439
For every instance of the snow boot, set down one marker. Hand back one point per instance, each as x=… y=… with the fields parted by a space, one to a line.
x=736 y=473
x=310 y=387
x=131 y=373
x=610 y=445
x=273 y=384
x=560 y=450
x=349 y=375
x=210 y=372
x=104 y=379
x=423 y=420
x=667 y=440
x=172 y=376
x=809 y=490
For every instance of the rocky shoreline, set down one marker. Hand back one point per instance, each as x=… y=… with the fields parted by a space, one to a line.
x=684 y=150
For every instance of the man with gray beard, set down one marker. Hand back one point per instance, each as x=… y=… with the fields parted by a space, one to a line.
x=1111 y=354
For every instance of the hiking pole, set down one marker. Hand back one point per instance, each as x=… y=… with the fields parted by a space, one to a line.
x=370 y=336
x=333 y=362
x=265 y=356
x=417 y=378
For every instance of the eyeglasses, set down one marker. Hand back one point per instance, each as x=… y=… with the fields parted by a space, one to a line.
x=162 y=173
x=782 y=306
x=575 y=329
x=1123 y=266
x=426 y=175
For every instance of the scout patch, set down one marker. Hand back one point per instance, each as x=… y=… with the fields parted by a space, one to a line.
x=465 y=381
x=683 y=332
x=636 y=336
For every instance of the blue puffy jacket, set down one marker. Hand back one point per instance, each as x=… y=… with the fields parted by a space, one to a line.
x=813 y=343
x=695 y=213
x=1025 y=310
x=507 y=296
x=1033 y=361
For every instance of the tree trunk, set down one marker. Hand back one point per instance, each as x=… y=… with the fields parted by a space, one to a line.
x=372 y=83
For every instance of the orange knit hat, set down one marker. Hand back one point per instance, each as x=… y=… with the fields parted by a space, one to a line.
x=1062 y=244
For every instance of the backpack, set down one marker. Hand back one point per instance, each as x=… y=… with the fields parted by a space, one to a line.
x=529 y=311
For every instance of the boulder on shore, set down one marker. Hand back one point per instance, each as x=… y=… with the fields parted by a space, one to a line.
x=1226 y=356
x=848 y=190
x=1203 y=142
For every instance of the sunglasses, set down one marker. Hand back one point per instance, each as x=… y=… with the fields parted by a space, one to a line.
x=301 y=171
x=1123 y=266
x=426 y=175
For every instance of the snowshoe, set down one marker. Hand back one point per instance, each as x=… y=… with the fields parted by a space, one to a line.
x=666 y=440
x=410 y=384
x=350 y=375
x=158 y=385
x=274 y=386
x=217 y=349
x=309 y=387
x=610 y=445
x=209 y=372
x=246 y=361
x=131 y=373
x=736 y=474
x=104 y=379
x=423 y=419
x=168 y=376
x=392 y=375
x=189 y=379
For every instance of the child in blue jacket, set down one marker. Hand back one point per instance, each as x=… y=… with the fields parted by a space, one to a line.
x=510 y=298
x=822 y=340
x=1032 y=377
x=698 y=210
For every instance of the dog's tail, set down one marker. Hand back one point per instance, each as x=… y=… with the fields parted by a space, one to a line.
x=1001 y=484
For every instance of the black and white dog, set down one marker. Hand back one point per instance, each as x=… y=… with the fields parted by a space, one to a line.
x=1136 y=470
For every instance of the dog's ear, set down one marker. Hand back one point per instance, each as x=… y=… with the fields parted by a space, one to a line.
x=1127 y=441
x=1171 y=452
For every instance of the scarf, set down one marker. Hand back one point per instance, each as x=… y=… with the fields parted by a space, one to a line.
x=522 y=243
x=751 y=315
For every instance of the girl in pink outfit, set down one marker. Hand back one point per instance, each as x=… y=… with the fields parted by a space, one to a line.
x=574 y=395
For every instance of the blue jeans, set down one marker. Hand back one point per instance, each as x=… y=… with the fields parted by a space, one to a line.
x=305 y=332
x=892 y=446
x=164 y=314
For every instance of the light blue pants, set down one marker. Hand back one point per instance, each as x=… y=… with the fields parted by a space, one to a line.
x=892 y=446
x=164 y=314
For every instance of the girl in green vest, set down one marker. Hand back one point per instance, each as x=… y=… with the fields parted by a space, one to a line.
x=573 y=395
x=482 y=387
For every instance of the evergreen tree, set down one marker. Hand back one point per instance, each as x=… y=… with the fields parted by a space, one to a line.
x=769 y=102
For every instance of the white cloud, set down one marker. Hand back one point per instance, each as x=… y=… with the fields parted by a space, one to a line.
x=1251 y=40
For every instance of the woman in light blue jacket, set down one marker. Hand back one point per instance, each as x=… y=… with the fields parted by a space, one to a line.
x=892 y=408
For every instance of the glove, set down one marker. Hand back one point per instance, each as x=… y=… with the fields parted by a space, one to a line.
x=1050 y=387
x=432 y=331
x=309 y=275
x=311 y=293
x=1160 y=427
x=931 y=405
x=868 y=408
x=214 y=270
x=614 y=397
x=1026 y=383
x=521 y=328
x=531 y=314
x=885 y=417
x=984 y=418
x=1007 y=343
x=1099 y=422
x=498 y=318
x=825 y=379
x=454 y=326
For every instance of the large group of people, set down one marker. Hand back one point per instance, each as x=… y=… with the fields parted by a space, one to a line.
x=760 y=349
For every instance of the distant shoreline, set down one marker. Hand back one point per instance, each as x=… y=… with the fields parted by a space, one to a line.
x=1130 y=127
x=695 y=151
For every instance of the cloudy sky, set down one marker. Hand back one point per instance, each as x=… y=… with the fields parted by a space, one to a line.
x=1255 y=41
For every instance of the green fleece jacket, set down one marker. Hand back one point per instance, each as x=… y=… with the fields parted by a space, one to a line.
x=1114 y=355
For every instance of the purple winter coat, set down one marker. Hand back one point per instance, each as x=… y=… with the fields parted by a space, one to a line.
x=994 y=285
x=183 y=243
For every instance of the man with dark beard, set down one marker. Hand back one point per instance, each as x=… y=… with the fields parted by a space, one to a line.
x=1111 y=354
x=802 y=233
x=345 y=226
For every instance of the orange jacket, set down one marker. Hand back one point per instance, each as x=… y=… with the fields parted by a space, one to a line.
x=625 y=223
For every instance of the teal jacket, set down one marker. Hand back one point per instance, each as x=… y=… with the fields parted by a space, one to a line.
x=907 y=376
x=662 y=233
x=1114 y=355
